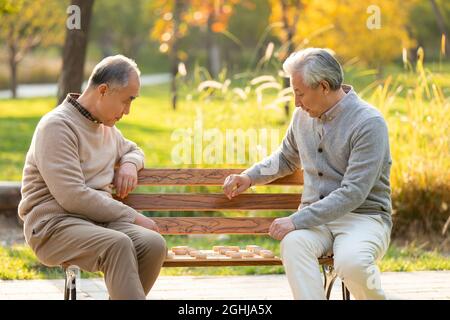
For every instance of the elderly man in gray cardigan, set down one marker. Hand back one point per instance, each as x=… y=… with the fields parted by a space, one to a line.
x=342 y=144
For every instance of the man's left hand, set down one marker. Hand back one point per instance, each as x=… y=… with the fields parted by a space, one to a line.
x=125 y=179
x=281 y=227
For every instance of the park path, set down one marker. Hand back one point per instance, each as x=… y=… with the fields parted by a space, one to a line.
x=421 y=285
x=50 y=89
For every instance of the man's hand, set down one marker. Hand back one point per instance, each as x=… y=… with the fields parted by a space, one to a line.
x=281 y=227
x=146 y=222
x=125 y=179
x=235 y=184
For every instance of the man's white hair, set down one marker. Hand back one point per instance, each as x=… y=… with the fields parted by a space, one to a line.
x=315 y=65
x=114 y=71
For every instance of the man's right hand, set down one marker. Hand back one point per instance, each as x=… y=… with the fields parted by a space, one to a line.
x=146 y=222
x=235 y=184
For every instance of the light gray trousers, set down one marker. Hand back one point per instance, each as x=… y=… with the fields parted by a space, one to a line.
x=357 y=242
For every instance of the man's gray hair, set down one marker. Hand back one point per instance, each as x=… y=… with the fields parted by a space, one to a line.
x=114 y=71
x=315 y=65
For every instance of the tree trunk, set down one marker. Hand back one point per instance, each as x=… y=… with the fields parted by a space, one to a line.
x=380 y=71
x=173 y=55
x=290 y=30
x=74 y=52
x=287 y=81
x=441 y=23
x=214 y=59
x=212 y=49
x=13 y=70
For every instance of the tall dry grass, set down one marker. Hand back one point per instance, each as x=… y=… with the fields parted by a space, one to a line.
x=418 y=118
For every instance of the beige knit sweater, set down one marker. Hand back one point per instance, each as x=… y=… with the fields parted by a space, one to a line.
x=69 y=169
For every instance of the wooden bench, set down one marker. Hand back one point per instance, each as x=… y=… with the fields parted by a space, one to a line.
x=213 y=225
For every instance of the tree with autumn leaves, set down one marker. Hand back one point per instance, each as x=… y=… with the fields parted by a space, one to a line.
x=177 y=17
x=26 y=24
x=345 y=26
x=350 y=28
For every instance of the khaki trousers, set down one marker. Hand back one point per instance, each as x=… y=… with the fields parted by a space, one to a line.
x=357 y=242
x=130 y=256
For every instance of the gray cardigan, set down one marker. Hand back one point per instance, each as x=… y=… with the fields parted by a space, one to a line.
x=345 y=159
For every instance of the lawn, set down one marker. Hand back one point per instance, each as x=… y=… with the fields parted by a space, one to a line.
x=150 y=124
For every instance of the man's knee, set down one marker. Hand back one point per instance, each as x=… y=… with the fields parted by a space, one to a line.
x=353 y=264
x=158 y=243
x=155 y=243
x=120 y=242
x=296 y=241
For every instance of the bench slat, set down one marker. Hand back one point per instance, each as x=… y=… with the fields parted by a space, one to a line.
x=202 y=177
x=212 y=201
x=221 y=262
x=186 y=262
x=213 y=225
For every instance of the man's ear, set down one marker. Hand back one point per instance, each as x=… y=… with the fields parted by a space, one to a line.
x=325 y=86
x=102 y=89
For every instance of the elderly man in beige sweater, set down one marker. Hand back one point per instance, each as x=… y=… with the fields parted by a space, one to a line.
x=69 y=214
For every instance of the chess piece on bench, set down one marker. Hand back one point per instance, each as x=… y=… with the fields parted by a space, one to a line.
x=200 y=255
x=180 y=250
x=217 y=248
x=247 y=254
x=233 y=254
x=253 y=248
x=266 y=254
x=223 y=250
x=193 y=253
x=190 y=249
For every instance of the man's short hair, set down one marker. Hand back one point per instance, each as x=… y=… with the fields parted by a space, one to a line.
x=315 y=65
x=113 y=71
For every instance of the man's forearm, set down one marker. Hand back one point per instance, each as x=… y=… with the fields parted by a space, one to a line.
x=270 y=169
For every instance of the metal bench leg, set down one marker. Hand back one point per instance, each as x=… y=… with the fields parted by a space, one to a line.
x=70 y=289
x=329 y=277
x=66 y=285
x=73 y=290
x=345 y=292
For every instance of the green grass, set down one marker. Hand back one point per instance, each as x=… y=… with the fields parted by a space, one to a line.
x=150 y=124
x=19 y=262
x=411 y=258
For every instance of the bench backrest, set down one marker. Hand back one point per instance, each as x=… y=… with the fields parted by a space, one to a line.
x=209 y=201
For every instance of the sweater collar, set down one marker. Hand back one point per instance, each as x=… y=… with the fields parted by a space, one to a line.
x=335 y=110
x=79 y=116
x=72 y=98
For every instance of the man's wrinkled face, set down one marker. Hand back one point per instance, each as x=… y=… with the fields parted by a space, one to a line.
x=115 y=102
x=311 y=100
